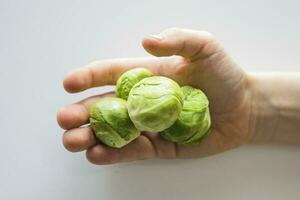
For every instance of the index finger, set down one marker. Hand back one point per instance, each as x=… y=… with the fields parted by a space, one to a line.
x=107 y=72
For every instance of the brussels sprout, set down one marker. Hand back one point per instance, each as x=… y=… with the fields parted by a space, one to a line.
x=154 y=103
x=194 y=120
x=129 y=79
x=111 y=123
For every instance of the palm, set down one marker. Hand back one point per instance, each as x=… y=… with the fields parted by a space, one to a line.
x=225 y=85
x=199 y=61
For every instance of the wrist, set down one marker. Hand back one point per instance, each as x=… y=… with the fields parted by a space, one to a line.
x=275 y=107
x=264 y=110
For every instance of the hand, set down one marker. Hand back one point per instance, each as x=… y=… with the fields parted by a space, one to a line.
x=191 y=58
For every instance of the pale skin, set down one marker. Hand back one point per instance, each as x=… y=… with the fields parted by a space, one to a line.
x=245 y=107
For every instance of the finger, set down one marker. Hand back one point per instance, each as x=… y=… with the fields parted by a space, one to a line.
x=79 y=139
x=107 y=72
x=77 y=114
x=152 y=145
x=187 y=43
x=140 y=148
x=164 y=148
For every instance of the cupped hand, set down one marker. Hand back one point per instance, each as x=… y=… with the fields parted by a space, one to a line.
x=191 y=58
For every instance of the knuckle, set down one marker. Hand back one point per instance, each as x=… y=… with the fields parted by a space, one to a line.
x=90 y=78
x=111 y=72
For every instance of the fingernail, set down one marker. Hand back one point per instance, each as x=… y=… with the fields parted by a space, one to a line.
x=157 y=37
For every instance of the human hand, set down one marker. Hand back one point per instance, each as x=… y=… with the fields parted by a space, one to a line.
x=189 y=57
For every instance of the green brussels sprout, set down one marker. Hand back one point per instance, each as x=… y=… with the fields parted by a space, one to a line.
x=154 y=103
x=129 y=79
x=198 y=137
x=194 y=120
x=110 y=122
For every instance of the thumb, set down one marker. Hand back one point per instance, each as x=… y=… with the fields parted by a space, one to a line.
x=183 y=42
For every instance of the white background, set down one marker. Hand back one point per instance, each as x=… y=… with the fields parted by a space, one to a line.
x=40 y=41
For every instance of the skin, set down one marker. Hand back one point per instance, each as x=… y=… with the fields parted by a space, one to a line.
x=244 y=107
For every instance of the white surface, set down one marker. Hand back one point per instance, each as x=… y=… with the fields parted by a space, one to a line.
x=40 y=41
